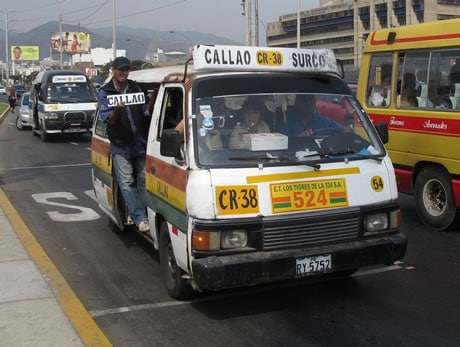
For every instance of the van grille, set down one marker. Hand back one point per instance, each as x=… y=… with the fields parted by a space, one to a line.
x=308 y=232
x=75 y=117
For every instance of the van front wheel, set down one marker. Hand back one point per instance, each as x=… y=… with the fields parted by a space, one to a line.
x=176 y=286
x=434 y=198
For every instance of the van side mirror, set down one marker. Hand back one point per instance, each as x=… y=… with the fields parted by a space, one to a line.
x=382 y=130
x=170 y=143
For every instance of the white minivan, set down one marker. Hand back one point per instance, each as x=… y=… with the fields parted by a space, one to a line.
x=230 y=207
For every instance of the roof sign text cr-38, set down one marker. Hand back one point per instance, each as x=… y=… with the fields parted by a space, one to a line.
x=249 y=58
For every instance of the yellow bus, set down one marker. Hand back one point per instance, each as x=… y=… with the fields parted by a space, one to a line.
x=410 y=78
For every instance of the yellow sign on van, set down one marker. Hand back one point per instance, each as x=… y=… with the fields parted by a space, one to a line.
x=237 y=199
x=308 y=195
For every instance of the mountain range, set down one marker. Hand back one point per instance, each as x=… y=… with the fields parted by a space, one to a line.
x=137 y=41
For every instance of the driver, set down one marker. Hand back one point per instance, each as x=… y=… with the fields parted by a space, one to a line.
x=303 y=119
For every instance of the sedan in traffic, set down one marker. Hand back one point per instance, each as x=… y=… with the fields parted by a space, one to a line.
x=24 y=119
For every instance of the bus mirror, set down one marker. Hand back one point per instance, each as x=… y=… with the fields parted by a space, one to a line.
x=170 y=143
x=382 y=130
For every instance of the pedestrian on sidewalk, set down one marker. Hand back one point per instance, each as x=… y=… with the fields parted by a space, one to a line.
x=12 y=98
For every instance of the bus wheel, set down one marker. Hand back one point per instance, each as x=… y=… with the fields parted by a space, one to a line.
x=176 y=286
x=434 y=198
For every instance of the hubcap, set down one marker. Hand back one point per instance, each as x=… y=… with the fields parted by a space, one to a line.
x=434 y=197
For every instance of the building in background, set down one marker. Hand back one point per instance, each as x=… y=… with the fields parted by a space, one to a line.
x=343 y=25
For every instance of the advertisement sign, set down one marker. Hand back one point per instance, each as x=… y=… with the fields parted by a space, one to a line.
x=72 y=42
x=24 y=52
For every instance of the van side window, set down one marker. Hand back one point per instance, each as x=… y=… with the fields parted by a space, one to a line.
x=173 y=108
x=101 y=127
x=379 y=84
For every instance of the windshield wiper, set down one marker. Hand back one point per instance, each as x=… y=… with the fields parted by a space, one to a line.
x=349 y=152
x=274 y=158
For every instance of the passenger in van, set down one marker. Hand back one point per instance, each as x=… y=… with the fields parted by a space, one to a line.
x=252 y=123
x=304 y=120
x=407 y=92
x=127 y=129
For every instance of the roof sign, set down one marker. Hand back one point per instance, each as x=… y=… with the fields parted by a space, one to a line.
x=68 y=78
x=249 y=58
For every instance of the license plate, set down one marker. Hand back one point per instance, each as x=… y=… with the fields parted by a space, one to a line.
x=72 y=130
x=318 y=264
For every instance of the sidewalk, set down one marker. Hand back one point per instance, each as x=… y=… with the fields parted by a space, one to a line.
x=37 y=306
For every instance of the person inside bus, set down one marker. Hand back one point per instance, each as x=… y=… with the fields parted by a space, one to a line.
x=436 y=100
x=252 y=123
x=127 y=129
x=407 y=92
x=303 y=119
x=380 y=95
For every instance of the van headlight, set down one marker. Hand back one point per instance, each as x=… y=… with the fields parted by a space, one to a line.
x=51 y=115
x=219 y=240
x=234 y=239
x=382 y=221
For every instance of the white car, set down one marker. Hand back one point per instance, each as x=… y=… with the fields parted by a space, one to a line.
x=24 y=119
x=2 y=90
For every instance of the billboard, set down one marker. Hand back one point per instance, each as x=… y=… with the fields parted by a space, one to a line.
x=25 y=52
x=72 y=42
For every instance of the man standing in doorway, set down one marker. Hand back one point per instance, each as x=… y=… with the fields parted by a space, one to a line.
x=127 y=129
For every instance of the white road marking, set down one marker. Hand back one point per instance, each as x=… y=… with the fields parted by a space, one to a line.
x=43 y=167
x=220 y=296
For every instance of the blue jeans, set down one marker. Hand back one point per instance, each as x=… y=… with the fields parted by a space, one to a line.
x=131 y=180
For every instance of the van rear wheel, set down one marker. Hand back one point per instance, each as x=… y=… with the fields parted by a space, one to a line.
x=176 y=286
x=434 y=198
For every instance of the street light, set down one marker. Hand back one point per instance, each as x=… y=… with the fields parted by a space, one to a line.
x=6 y=47
x=184 y=36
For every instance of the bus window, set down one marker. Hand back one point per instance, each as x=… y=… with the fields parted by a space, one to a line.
x=379 y=82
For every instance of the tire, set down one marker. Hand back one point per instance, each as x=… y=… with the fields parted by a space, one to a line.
x=177 y=287
x=43 y=135
x=434 y=198
x=19 y=123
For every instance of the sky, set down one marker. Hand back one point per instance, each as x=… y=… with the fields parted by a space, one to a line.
x=220 y=17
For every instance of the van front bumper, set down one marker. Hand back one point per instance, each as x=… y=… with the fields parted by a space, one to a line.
x=247 y=269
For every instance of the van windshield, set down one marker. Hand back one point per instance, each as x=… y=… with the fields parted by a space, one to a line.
x=70 y=93
x=279 y=121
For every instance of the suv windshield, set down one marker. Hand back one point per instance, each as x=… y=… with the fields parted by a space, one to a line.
x=276 y=120
x=70 y=93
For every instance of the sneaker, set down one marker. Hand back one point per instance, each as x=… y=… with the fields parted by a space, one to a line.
x=144 y=226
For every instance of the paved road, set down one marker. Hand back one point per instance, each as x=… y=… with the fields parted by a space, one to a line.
x=117 y=277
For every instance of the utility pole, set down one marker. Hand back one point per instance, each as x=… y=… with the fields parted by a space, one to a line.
x=60 y=32
x=298 y=23
x=114 y=43
x=251 y=11
x=7 y=51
